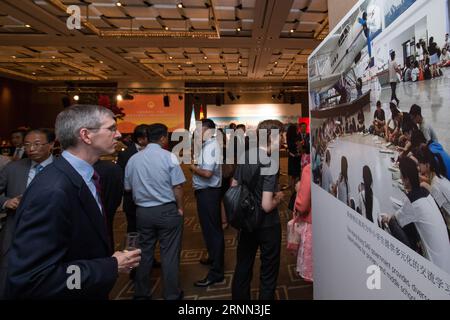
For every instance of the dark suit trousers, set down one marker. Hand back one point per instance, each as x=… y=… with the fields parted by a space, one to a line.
x=268 y=239
x=208 y=207
x=165 y=224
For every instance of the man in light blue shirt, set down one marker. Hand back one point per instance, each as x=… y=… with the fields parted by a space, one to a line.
x=207 y=182
x=155 y=178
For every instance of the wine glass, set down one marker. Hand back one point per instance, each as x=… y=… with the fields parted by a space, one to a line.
x=132 y=241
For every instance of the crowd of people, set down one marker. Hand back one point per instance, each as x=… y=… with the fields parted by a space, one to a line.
x=60 y=208
x=421 y=221
x=427 y=61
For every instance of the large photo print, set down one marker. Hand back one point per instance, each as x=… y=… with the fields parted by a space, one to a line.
x=379 y=100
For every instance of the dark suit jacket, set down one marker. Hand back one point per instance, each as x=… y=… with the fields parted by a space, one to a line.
x=128 y=204
x=24 y=154
x=124 y=156
x=13 y=182
x=59 y=224
x=111 y=180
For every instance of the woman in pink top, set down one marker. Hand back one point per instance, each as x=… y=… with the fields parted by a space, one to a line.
x=303 y=213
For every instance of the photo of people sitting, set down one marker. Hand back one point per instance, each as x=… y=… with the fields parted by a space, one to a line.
x=403 y=151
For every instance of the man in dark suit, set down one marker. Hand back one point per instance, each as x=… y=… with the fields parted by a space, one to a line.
x=61 y=249
x=18 y=150
x=140 y=141
x=14 y=179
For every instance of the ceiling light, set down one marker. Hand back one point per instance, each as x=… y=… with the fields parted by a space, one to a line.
x=34 y=73
x=119 y=97
x=179 y=66
x=14 y=57
x=271 y=73
x=53 y=57
x=205 y=57
x=239 y=61
x=180 y=5
x=238 y=29
x=118 y=3
x=209 y=66
x=28 y=26
x=101 y=61
x=170 y=57
x=76 y=97
x=166 y=28
x=292 y=30
x=276 y=62
x=42 y=66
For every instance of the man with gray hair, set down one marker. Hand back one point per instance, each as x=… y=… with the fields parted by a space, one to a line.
x=60 y=249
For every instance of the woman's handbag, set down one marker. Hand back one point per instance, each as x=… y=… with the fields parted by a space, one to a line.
x=293 y=235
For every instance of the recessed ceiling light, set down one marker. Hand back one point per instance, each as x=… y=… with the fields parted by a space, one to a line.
x=292 y=30
x=239 y=61
x=34 y=73
x=101 y=61
x=76 y=97
x=170 y=57
x=28 y=26
x=276 y=62
x=166 y=28
x=42 y=66
x=118 y=3
x=14 y=57
x=180 y=5
x=209 y=66
x=205 y=57
x=53 y=57
x=179 y=66
x=238 y=29
x=271 y=73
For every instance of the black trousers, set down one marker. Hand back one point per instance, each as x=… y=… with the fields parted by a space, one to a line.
x=393 y=91
x=208 y=207
x=269 y=241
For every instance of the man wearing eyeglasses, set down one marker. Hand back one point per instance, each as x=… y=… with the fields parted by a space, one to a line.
x=60 y=248
x=14 y=179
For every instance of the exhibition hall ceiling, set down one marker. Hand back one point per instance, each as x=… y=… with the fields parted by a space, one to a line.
x=157 y=40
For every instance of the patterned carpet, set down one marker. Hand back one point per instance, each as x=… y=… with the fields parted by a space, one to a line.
x=290 y=285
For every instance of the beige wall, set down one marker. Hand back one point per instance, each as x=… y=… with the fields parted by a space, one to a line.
x=337 y=9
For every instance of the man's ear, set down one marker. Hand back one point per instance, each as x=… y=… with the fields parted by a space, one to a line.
x=84 y=135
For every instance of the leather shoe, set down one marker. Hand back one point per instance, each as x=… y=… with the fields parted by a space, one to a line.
x=206 y=261
x=206 y=282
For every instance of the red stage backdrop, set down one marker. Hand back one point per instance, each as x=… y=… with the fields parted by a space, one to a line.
x=150 y=109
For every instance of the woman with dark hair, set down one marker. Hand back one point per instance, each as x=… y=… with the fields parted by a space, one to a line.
x=293 y=143
x=392 y=132
x=441 y=156
x=434 y=180
x=341 y=187
x=420 y=208
x=368 y=204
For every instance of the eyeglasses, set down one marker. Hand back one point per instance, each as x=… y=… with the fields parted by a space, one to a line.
x=34 y=144
x=112 y=128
